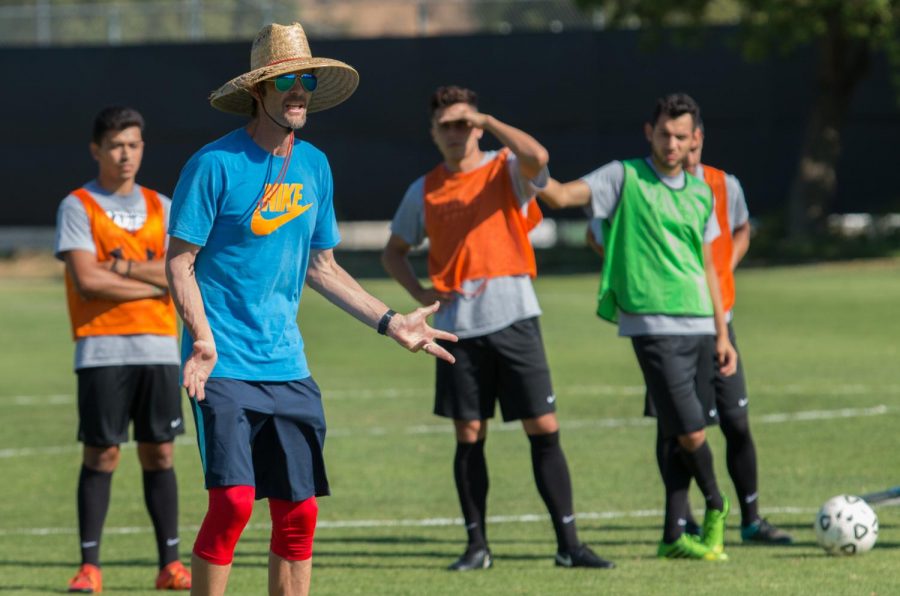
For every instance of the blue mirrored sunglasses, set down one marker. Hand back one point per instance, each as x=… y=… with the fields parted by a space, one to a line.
x=284 y=82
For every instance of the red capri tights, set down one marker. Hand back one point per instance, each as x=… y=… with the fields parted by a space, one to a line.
x=229 y=511
x=293 y=526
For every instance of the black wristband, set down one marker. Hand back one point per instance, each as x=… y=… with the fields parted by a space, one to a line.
x=385 y=321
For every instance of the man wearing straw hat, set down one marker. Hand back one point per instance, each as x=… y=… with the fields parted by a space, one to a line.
x=476 y=208
x=252 y=221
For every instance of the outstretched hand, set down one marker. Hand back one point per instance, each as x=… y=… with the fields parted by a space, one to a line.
x=413 y=333
x=198 y=367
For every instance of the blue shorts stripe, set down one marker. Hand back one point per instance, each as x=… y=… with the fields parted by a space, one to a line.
x=201 y=432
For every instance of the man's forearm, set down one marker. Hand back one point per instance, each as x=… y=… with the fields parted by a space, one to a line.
x=740 y=244
x=715 y=293
x=333 y=282
x=151 y=272
x=95 y=281
x=571 y=194
x=399 y=267
x=186 y=296
x=531 y=154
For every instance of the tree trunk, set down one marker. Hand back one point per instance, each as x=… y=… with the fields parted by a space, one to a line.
x=843 y=62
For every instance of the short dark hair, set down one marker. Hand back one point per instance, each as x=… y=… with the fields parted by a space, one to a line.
x=675 y=105
x=116 y=118
x=698 y=124
x=451 y=94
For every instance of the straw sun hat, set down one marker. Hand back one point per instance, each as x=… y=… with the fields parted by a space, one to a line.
x=282 y=49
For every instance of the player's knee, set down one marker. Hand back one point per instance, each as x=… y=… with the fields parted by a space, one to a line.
x=229 y=511
x=735 y=425
x=470 y=431
x=102 y=459
x=293 y=527
x=156 y=456
x=542 y=425
x=691 y=442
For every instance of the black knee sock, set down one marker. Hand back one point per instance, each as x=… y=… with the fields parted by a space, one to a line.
x=677 y=480
x=700 y=463
x=663 y=452
x=470 y=472
x=93 y=503
x=740 y=455
x=161 y=497
x=551 y=474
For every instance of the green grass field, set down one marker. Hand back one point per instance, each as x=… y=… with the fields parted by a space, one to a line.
x=821 y=352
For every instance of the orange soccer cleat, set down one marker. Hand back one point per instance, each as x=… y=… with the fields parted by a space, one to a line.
x=173 y=576
x=88 y=580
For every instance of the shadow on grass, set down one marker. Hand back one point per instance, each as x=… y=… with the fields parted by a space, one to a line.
x=73 y=564
x=60 y=588
x=819 y=554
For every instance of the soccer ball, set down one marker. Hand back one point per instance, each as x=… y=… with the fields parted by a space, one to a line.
x=846 y=525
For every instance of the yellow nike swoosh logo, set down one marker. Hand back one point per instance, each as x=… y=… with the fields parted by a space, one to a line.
x=261 y=226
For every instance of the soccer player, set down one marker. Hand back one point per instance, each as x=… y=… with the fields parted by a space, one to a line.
x=731 y=391
x=660 y=285
x=111 y=234
x=476 y=208
x=252 y=221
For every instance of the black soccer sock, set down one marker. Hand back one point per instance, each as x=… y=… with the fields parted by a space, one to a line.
x=551 y=474
x=700 y=463
x=740 y=454
x=470 y=472
x=161 y=497
x=664 y=451
x=94 y=489
x=677 y=480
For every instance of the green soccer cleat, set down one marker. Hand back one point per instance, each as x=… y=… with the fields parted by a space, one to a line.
x=714 y=527
x=688 y=547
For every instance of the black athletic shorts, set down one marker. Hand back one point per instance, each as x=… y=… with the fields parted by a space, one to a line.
x=109 y=397
x=729 y=393
x=508 y=365
x=680 y=388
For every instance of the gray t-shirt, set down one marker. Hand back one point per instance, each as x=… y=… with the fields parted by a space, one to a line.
x=73 y=232
x=606 y=192
x=486 y=305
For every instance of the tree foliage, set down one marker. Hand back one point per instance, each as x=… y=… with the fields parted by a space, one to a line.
x=846 y=33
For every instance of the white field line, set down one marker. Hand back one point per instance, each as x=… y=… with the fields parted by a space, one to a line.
x=399 y=523
x=583 y=390
x=426 y=429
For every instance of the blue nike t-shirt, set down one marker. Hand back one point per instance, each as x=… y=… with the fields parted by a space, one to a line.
x=253 y=263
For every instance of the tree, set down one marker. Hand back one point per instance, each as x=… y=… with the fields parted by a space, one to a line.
x=846 y=33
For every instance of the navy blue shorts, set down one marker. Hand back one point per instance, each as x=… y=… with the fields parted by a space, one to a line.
x=264 y=434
